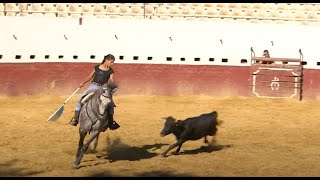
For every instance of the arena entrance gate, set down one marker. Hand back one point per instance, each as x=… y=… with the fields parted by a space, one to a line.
x=282 y=79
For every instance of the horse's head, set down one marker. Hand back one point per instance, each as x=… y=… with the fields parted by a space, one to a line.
x=105 y=96
x=108 y=89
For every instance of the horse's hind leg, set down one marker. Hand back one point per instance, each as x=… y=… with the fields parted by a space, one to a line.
x=84 y=148
x=95 y=142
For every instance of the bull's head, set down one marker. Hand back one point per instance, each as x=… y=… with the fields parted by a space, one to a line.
x=169 y=126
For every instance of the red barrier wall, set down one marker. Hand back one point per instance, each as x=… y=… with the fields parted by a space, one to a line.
x=64 y=78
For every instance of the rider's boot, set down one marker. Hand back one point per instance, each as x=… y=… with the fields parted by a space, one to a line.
x=113 y=125
x=74 y=121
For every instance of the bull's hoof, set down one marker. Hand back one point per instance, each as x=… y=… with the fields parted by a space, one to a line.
x=164 y=155
x=175 y=153
x=75 y=166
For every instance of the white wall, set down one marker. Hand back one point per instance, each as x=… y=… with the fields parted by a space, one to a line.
x=42 y=36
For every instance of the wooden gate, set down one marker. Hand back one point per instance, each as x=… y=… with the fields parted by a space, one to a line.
x=282 y=79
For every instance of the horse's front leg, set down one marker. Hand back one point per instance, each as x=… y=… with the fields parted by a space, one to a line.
x=84 y=148
x=81 y=139
x=95 y=142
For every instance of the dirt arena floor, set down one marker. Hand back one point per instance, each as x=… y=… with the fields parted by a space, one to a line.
x=258 y=137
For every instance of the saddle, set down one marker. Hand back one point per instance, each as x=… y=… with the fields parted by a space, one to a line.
x=89 y=96
x=86 y=98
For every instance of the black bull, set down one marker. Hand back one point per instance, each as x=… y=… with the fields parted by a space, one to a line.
x=193 y=128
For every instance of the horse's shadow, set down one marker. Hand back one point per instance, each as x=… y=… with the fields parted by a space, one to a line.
x=8 y=169
x=117 y=150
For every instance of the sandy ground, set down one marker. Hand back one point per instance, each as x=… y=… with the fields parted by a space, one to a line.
x=258 y=137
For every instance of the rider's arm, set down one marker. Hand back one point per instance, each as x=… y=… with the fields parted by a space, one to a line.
x=111 y=79
x=88 y=78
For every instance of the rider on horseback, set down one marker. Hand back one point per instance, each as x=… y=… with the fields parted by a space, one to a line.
x=102 y=73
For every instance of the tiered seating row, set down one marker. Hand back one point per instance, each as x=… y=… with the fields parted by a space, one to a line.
x=245 y=12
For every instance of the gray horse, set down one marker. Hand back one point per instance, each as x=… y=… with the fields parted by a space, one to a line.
x=93 y=118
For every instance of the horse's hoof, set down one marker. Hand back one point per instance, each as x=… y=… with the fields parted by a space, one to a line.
x=75 y=166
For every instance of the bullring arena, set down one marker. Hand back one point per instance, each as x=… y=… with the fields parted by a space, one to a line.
x=258 y=136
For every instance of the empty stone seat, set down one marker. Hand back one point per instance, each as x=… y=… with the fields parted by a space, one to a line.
x=212 y=11
x=200 y=11
x=136 y=10
x=13 y=7
x=295 y=7
x=124 y=9
x=187 y=11
x=74 y=8
x=149 y=10
x=175 y=10
x=307 y=7
x=234 y=5
x=246 y=5
x=224 y=12
x=162 y=10
x=112 y=9
x=36 y=7
x=86 y=8
x=62 y=7
x=99 y=9
x=282 y=6
x=23 y=7
x=299 y=15
x=237 y=12
x=49 y=7
x=312 y=15
x=209 y=5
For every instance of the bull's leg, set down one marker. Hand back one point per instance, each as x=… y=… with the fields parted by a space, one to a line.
x=95 y=142
x=206 y=140
x=178 y=150
x=84 y=148
x=178 y=143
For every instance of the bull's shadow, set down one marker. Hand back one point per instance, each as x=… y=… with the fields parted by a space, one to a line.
x=117 y=150
x=205 y=149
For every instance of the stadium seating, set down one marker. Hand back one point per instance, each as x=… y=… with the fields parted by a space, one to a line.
x=292 y=13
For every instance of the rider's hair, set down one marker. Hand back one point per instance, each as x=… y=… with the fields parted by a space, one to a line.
x=108 y=57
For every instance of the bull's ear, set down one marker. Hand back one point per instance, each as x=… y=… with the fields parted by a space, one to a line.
x=178 y=122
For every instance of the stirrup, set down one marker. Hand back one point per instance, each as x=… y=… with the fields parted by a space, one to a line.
x=73 y=122
x=114 y=126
